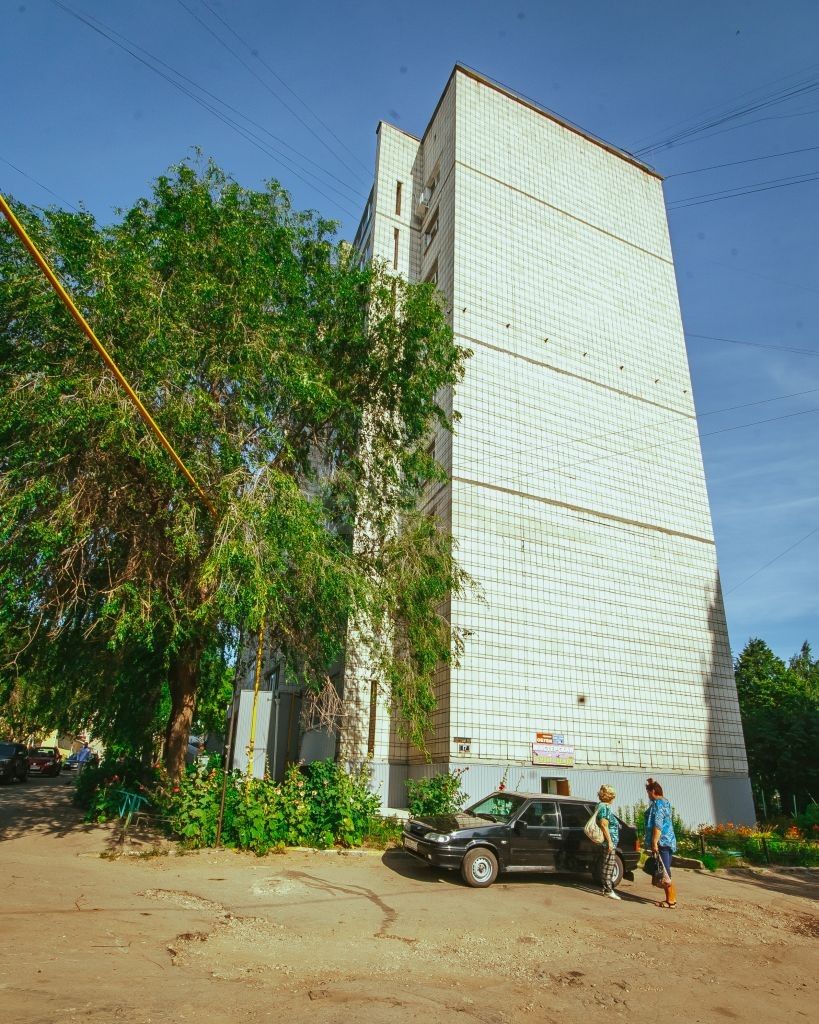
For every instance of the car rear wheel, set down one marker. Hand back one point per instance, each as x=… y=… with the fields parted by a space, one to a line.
x=479 y=868
x=597 y=871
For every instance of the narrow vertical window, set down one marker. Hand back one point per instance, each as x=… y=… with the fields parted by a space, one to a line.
x=398 y=199
x=395 y=235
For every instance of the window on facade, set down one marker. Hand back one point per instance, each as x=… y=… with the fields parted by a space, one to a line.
x=432 y=274
x=395 y=235
x=431 y=230
x=398 y=189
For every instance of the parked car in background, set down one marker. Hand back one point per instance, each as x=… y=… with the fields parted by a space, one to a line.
x=45 y=761
x=508 y=832
x=85 y=757
x=77 y=760
x=13 y=762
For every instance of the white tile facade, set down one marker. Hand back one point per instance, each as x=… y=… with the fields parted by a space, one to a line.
x=577 y=495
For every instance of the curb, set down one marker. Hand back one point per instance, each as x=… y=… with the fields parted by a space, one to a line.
x=687 y=862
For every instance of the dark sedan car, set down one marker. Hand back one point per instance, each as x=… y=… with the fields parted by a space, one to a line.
x=507 y=832
x=13 y=762
x=45 y=761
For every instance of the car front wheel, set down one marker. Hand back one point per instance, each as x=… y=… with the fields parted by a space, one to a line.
x=479 y=868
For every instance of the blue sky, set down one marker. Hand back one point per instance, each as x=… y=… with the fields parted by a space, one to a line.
x=93 y=123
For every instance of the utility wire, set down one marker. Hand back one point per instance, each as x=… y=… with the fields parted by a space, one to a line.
x=776 y=558
x=745 y=124
x=19 y=170
x=750 y=184
x=736 y=163
x=264 y=84
x=566 y=441
x=250 y=136
x=755 y=344
x=684 y=440
x=782 y=96
x=129 y=46
x=255 y=53
x=742 y=95
x=683 y=204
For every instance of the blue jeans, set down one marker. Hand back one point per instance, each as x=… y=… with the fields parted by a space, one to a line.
x=665 y=856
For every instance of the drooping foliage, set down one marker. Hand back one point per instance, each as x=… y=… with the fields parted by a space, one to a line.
x=257 y=341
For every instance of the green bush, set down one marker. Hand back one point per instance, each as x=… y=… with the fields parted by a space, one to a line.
x=791 y=852
x=808 y=821
x=383 y=833
x=441 y=794
x=99 y=790
x=635 y=814
x=319 y=805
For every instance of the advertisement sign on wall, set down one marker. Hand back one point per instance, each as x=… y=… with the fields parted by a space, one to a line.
x=553 y=753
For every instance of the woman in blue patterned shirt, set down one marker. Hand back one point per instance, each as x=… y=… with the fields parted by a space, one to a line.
x=610 y=828
x=660 y=838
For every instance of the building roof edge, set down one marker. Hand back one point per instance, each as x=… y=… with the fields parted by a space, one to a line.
x=532 y=105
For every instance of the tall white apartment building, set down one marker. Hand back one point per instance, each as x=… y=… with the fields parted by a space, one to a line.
x=576 y=493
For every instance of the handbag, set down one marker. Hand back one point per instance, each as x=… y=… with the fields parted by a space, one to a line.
x=593 y=830
x=655 y=867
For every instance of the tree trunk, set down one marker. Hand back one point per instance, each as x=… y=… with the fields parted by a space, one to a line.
x=183 y=680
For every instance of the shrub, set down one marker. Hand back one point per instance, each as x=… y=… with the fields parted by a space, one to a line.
x=441 y=794
x=319 y=804
x=635 y=815
x=99 y=790
x=727 y=844
x=383 y=833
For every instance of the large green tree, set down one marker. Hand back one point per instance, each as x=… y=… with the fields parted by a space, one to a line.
x=257 y=341
x=779 y=704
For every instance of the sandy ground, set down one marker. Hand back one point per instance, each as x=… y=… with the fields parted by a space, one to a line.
x=324 y=937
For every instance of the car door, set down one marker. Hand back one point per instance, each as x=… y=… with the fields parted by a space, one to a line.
x=576 y=844
x=536 y=837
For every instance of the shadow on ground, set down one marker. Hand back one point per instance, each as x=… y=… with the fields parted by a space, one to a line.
x=40 y=806
x=794 y=882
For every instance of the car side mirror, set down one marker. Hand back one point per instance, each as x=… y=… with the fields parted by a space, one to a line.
x=520 y=827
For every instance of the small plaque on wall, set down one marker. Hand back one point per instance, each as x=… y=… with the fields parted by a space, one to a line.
x=462 y=743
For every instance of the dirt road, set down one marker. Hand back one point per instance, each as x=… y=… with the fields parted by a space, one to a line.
x=323 y=937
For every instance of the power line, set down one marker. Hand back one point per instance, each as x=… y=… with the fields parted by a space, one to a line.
x=685 y=440
x=736 y=163
x=255 y=53
x=754 y=344
x=684 y=204
x=19 y=170
x=739 y=96
x=745 y=124
x=247 y=134
x=772 y=99
x=776 y=558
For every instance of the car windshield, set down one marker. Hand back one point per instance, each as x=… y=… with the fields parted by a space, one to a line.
x=497 y=807
x=7 y=749
x=41 y=752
